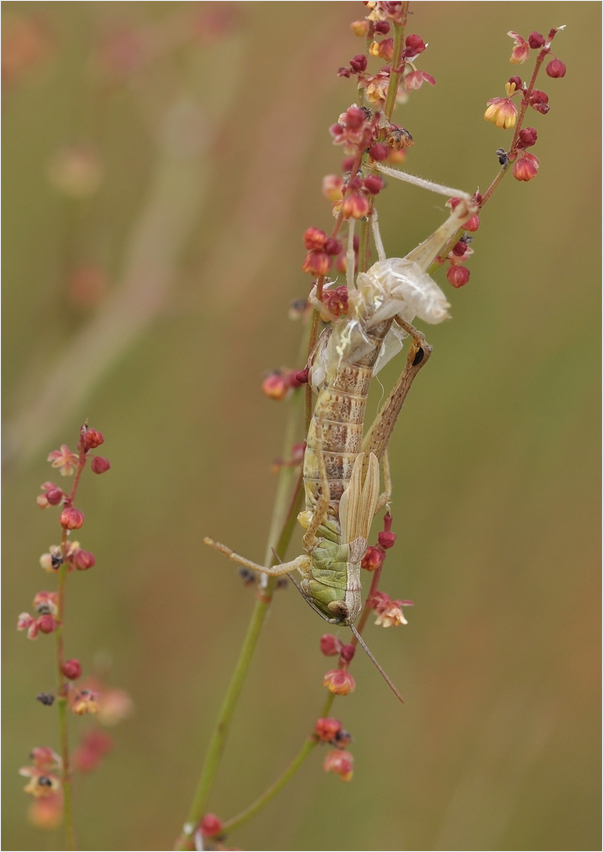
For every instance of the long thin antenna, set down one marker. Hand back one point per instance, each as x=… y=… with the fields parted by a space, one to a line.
x=370 y=656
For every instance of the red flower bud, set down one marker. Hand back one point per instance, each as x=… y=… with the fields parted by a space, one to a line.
x=458 y=276
x=83 y=559
x=556 y=68
x=46 y=623
x=210 y=825
x=354 y=118
x=332 y=246
x=72 y=669
x=386 y=539
x=539 y=101
x=381 y=27
x=330 y=645
x=317 y=263
x=379 y=151
x=100 y=464
x=275 y=386
x=526 y=167
x=339 y=682
x=535 y=40
x=472 y=225
x=459 y=249
x=93 y=439
x=414 y=45
x=347 y=653
x=373 y=559
x=373 y=184
x=358 y=63
x=355 y=206
x=527 y=137
x=55 y=496
x=315 y=238
x=71 y=518
x=327 y=729
x=341 y=763
x=517 y=82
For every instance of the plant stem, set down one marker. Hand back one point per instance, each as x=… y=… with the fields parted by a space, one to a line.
x=62 y=702
x=395 y=75
x=262 y=604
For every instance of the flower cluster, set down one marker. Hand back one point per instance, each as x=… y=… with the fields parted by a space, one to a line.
x=339 y=761
x=339 y=681
x=506 y=113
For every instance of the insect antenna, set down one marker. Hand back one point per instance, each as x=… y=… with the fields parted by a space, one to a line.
x=370 y=656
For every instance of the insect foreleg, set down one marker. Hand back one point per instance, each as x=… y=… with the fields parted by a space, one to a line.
x=301 y=563
x=417 y=181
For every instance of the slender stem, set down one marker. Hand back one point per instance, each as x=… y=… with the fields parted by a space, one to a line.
x=396 y=70
x=258 y=616
x=307 y=748
x=363 y=247
x=62 y=702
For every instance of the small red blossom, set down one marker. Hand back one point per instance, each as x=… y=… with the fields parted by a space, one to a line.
x=315 y=239
x=336 y=301
x=358 y=63
x=51 y=496
x=526 y=167
x=373 y=184
x=347 y=653
x=100 y=464
x=330 y=645
x=416 y=78
x=92 y=438
x=72 y=669
x=372 y=559
x=381 y=27
x=46 y=624
x=317 y=263
x=327 y=729
x=516 y=82
x=414 y=45
x=45 y=758
x=340 y=763
x=521 y=50
x=386 y=539
x=355 y=205
x=64 y=459
x=339 y=682
x=376 y=86
x=527 y=138
x=71 y=518
x=275 y=386
x=556 y=68
x=383 y=49
x=379 y=152
x=536 y=40
x=83 y=560
x=457 y=275
x=95 y=745
x=210 y=825
x=472 y=224
x=539 y=101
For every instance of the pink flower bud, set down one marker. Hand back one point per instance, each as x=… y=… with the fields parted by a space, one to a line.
x=516 y=81
x=373 y=184
x=210 y=825
x=317 y=263
x=347 y=653
x=527 y=137
x=332 y=186
x=83 y=560
x=314 y=239
x=458 y=276
x=93 y=439
x=414 y=45
x=354 y=118
x=46 y=624
x=556 y=68
x=381 y=27
x=379 y=152
x=340 y=763
x=275 y=386
x=535 y=40
x=358 y=63
x=332 y=246
x=71 y=518
x=330 y=645
x=327 y=729
x=72 y=669
x=539 y=101
x=526 y=167
x=100 y=464
x=373 y=559
x=55 y=496
x=339 y=682
x=472 y=225
x=355 y=206
x=386 y=539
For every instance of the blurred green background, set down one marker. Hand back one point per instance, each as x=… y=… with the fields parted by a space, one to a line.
x=161 y=162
